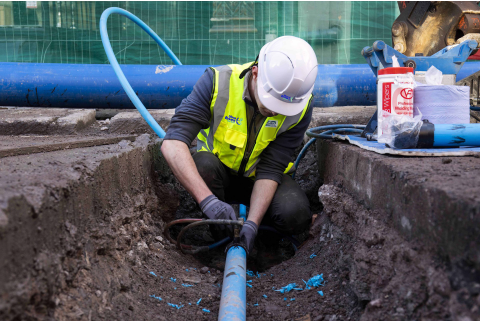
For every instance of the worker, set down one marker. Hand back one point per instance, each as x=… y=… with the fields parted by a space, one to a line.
x=249 y=120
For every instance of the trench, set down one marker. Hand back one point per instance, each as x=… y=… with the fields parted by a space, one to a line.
x=95 y=250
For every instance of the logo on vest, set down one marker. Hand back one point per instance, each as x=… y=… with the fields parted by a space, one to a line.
x=271 y=123
x=234 y=120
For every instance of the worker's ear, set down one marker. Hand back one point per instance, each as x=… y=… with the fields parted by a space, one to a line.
x=255 y=72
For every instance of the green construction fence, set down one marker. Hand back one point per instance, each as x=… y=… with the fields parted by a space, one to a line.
x=199 y=33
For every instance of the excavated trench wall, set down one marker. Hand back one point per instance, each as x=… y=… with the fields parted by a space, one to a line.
x=63 y=213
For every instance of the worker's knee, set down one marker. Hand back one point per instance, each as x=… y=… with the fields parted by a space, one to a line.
x=290 y=209
x=209 y=167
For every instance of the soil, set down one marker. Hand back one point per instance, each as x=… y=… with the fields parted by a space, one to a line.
x=119 y=265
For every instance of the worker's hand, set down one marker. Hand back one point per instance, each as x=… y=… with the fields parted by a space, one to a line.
x=247 y=235
x=215 y=209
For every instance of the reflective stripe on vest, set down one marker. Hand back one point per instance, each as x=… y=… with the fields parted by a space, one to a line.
x=226 y=136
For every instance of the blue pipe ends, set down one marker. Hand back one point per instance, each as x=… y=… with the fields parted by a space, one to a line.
x=233 y=304
x=448 y=135
x=243 y=212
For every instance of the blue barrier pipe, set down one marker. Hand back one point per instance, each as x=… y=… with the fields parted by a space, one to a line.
x=161 y=86
x=233 y=303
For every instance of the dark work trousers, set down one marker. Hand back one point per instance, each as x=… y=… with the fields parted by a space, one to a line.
x=289 y=211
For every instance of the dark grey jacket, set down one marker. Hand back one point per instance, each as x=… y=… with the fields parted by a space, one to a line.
x=193 y=114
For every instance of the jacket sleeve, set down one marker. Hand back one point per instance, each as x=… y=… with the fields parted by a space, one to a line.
x=279 y=153
x=193 y=114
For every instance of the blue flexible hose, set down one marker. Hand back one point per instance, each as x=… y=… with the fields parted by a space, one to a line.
x=327 y=133
x=118 y=71
x=302 y=154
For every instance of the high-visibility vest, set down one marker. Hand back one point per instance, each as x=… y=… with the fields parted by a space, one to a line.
x=227 y=135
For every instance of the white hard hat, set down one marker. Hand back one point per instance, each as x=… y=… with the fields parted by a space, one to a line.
x=287 y=69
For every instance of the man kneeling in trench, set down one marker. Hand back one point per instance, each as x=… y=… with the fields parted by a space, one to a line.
x=249 y=120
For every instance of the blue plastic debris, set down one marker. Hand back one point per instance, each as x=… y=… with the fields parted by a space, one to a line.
x=288 y=288
x=189 y=303
x=292 y=299
x=271 y=274
x=259 y=275
x=284 y=299
x=186 y=270
x=315 y=281
x=256 y=304
x=250 y=273
x=208 y=271
x=306 y=285
x=288 y=305
x=198 y=302
x=186 y=285
x=249 y=285
x=175 y=305
x=249 y=281
x=205 y=310
x=156 y=297
x=153 y=273
x=313 y=255
x=174 y=288
x=265 y=296
x=273 y=288
x=320 y=292
x=174 y=280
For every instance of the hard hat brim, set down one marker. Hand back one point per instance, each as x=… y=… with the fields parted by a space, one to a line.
x=278 y=106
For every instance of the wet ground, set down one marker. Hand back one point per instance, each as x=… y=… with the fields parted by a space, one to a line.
x=117 y=265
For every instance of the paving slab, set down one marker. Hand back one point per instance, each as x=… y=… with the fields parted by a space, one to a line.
x=132 y=122
x=25 y=145
x=432 y=200
x=44 y=121
x=342 y=115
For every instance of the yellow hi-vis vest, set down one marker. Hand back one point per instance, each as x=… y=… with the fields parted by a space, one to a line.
x=227 y=135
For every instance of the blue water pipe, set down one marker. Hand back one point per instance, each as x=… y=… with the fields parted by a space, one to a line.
x=233 y=303
x=234 y=296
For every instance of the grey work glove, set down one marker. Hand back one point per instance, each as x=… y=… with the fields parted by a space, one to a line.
x=247 y=235
x=215 y=209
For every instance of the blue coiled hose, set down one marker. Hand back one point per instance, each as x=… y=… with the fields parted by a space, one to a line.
x=118 y=71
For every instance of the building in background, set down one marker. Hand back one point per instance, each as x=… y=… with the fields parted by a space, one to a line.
x=199 y=33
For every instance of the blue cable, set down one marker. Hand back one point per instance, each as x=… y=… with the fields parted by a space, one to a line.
x=118 y=71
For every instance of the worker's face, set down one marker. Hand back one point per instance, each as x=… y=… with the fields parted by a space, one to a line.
x=262 y=109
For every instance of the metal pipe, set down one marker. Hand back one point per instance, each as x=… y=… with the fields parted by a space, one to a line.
x=233 y=303
x=161 y=86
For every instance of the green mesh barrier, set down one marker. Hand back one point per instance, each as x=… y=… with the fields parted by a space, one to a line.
x=199 y=33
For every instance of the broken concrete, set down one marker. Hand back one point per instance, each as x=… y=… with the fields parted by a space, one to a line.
x=44 y=121
x=132 y=122
x=25 y=145
x=430 y=200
